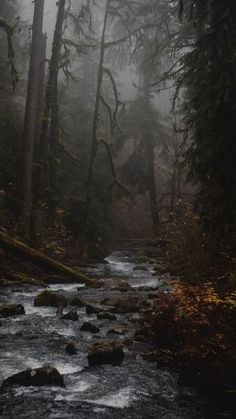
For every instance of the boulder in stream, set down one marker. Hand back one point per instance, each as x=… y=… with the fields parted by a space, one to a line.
x=106 y=316
x=8 y=310
x=112 y=283
x=106 y=352
x=78 y=302
x=71 y=315
x=116 y=331
x=89 y=327
x=71 y=348
x=48 y=298
x=44 y=376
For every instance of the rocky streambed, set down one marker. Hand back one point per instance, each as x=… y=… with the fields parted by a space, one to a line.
x=127 y=386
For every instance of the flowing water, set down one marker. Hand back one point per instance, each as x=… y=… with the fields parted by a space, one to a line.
x=136 y=389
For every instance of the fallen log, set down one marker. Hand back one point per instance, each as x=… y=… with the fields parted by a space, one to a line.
x=37 y=258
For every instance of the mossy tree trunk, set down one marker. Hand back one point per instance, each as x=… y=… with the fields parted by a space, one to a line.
x=18 y=248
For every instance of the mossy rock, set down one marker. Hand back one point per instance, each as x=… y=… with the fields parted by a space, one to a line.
x=28 y=280
x=48 y=298
x=8 y=310
x=44 y=376
x=106 y=352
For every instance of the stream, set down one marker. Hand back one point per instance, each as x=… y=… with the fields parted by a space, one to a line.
x=135 y=389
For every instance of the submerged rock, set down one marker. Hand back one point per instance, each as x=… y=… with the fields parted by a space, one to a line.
x=140 y=268
x=44 y=376
x=97 y=309
x=50 y=299
x=71 y=348
x=106 y=352
x=89 y=327
x=8 y=310
x=71 y=315
x=106 y=316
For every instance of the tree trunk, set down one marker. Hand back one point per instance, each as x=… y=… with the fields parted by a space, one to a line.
x=94 y=143
x=53 y=154
x=150 y=158
x=18 y=248
x=31 y=107
x=35 y=186
x=152 y=182
x=47 y=149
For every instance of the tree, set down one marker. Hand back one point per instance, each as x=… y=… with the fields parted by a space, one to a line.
x=208 y=72
x=123 y=14
x=31 y=108
x=49 y=133
x=142 y=120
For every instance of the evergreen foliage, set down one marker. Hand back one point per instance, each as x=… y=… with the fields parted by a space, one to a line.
x=209 y=73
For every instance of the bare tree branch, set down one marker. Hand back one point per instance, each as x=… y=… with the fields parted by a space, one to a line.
x=116 y=180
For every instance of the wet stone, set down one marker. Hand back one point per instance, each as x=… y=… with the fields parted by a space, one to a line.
x=89 y=327
x=8 y=310
x=106 y=316
x=106 y=352
x=116 y=331
x=50 y=299
x=71 y=315
x=71 y=348
x=44 y=376
x=78 y=302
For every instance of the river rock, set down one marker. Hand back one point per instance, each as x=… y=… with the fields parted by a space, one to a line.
x=71 y=315
x=71 y=348
x=8 y=310
x=106 y=316
x=89 y=327
x=106 y=352
x=116 y=331
x=112 y=283
x=44 y=376
x=126 y=304
x=50 y=299
x=78 y=302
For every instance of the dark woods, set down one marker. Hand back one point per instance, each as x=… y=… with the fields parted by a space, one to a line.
x=117 y=122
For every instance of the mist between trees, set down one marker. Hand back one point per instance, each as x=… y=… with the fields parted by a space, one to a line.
x=114 y=114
